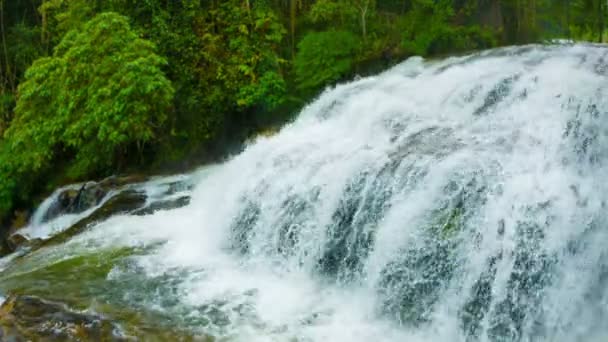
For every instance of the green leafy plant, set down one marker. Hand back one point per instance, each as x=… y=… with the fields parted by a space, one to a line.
x=324 y=57
x=101 y=92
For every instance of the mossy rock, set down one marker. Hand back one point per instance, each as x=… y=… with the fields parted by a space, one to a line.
x=90 y=194
x=28 y=318
x=80 y=283
x=163 y=205
x=124 y=202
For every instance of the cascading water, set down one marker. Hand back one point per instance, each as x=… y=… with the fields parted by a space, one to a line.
x=455 y=200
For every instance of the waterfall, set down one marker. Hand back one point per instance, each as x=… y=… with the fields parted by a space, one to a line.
x=461 y=199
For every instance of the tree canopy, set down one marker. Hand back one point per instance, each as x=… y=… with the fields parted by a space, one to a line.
x=91 y=87
x=101 y=93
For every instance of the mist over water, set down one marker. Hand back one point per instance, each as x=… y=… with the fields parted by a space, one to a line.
x=452 y=200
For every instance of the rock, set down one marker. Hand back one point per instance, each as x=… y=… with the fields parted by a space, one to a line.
x=89 y=195
x=72 y=201
x=8 y=244
x=114 y=182
x=75 y=201
x=178 y=186
x=28 y=318
x=16 y=241
x=163 y=205
x=124 y=202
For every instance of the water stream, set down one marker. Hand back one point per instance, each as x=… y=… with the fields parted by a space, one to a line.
x=454 y=200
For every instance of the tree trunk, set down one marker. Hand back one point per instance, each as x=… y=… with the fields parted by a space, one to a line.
x=491 y=15
x=363 y=6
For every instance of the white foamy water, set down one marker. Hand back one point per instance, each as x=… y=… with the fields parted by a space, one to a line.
x=454 y=200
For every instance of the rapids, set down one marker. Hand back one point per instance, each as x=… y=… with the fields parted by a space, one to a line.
x=461 y=199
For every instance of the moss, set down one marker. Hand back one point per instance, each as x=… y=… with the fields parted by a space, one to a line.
x=79 y=276
x=452 y=222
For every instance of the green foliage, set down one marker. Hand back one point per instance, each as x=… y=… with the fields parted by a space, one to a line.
x=461 y=39
x=27 y=49
x=424 y=24
x=62 y=16
x=251 y=65
x=222 y=59
x=100 y=93
x=324 y=57
x=332 y=12
x=6 y=104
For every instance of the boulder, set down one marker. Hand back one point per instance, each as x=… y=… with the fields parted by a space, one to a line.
x=114 y=182
x=178 y=186
x=16 y=241
x=19 y=220
x=163 y=205
x=89 y=195
x=28 y=318
x=72 y=201
x=122 y=203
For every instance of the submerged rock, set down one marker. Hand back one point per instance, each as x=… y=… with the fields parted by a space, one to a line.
x=28 y=318
x=178 y=186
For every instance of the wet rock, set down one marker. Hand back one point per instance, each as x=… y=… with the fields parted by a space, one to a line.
x=178 y=186
x=19 y=220
x=28 y=318
x=163 y=205
x=122 y=203
x=114 y=182
x=89 y=195
x=17 y=241
x=74 y=201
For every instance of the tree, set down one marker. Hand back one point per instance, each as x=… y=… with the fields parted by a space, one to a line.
x=344 y=12
x=424 y=23
x=324 y=57
x=100 y=94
